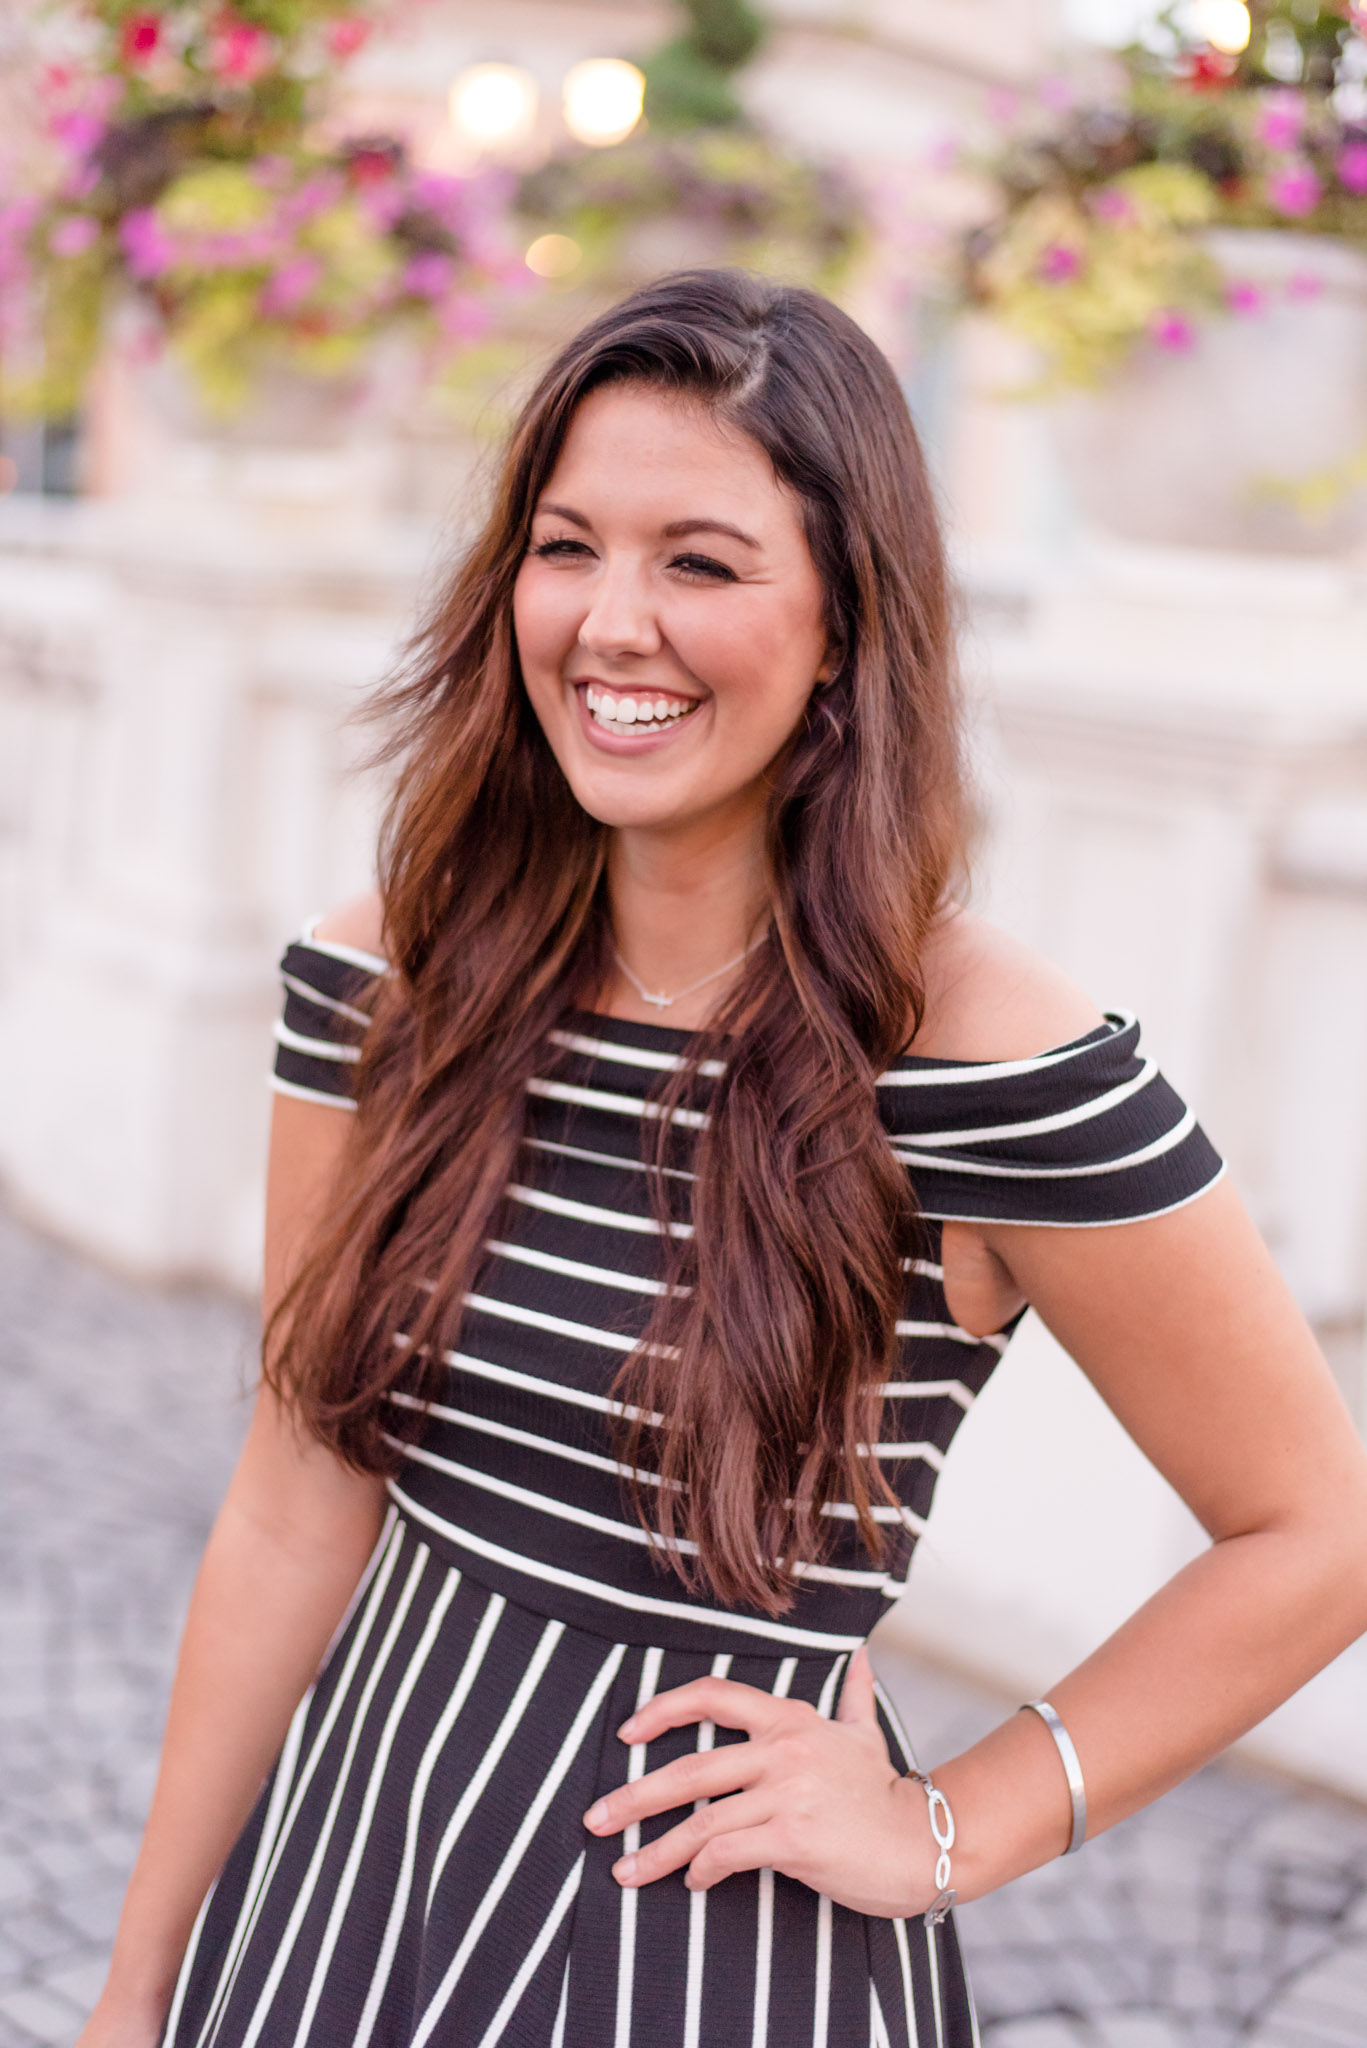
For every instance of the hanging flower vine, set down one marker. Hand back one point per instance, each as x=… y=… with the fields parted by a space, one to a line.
x=179 y=166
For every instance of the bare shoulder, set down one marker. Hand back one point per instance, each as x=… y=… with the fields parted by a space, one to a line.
x=358 y=923
x=988 y=997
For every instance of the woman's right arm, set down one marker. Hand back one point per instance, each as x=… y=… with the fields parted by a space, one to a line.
x=286 y=1553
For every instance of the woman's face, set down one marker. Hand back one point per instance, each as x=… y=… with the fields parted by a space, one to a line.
x=669 y=616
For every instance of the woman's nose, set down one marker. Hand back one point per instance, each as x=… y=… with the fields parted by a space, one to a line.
x=621 y=619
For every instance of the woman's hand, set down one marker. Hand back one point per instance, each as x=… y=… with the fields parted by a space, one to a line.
x=819 y=1800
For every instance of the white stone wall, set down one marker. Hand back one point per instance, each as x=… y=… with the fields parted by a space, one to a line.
x=1174 y=764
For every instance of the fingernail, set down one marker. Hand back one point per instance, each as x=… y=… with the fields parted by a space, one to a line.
x=624 y=1870
x=597 y=1815
x=627 y=1730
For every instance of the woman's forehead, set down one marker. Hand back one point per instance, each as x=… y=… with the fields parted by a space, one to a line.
x=634 y=447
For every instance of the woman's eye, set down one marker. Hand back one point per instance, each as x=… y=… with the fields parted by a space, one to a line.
x=561 y=549
x=704 y=566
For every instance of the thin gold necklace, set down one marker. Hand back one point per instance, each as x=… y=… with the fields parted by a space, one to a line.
x=659 y=1001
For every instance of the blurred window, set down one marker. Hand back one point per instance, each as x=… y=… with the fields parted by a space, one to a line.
x=41 y=456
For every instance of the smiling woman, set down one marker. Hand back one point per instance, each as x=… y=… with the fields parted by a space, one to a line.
x=611 y=1362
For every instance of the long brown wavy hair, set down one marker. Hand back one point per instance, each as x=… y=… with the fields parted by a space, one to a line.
x=765 y=1358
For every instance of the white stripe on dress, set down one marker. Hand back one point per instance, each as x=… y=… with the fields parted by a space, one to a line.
x=403 y=1883
x=953 y=1333
x=253 y=1899
x=346 y=1882
x=899 y=1930
x=575 y=1269
x=507 y=1728
x=588 y=1212
x=616 y=1105
x=697 y=1901
x=507 y=1869
x=508 y=1433
x=933 y=1951
x=764 y=1928
x=531 y=1962
x=303 y=1895
x=821 y=2002
x=961 y=1072
x=982 y=1169
x=316 y=996
x=631 y=1843
x=279 y=1086
x=1029 y=1127
x=315 y=1048
x=558 y=2035
x=604 y=1158
x=352 y=955
x=633 y=1055
x=617 y=1596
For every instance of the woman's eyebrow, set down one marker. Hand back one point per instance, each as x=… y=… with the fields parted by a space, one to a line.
x=679 y=527
x=676 y=529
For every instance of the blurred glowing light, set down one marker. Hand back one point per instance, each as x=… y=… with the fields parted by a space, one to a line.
x=603 y=97
x=1225 y=24
x=552 y=255
x=493 y=104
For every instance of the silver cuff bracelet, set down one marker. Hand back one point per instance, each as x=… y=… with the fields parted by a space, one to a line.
x=1077 y=1791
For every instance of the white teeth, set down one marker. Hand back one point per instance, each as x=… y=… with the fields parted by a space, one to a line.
x=645 y=714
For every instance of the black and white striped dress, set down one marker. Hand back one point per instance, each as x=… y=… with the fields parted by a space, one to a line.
x=416 y=1870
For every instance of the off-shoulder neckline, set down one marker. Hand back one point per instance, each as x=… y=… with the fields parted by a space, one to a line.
x=673 y=1037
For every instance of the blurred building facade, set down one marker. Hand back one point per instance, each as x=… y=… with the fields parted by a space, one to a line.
x=1172 y=747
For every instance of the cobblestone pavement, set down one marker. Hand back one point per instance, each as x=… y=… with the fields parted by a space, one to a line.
x=1234 y=1911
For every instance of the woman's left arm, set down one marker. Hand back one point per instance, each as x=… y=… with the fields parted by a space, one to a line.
x=1186 y=1328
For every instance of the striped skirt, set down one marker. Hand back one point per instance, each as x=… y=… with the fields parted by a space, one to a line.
x=416 y=1870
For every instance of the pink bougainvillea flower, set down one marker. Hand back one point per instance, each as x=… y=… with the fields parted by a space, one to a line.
x=1243 y=296
x=347 y=34
x=1294 y=188
x=78 y=129
x=238 y=51
x=1173 y=331
x=16 y=225
x=1303 y=285
x=1109 y=203
x=291 y=283
x=73 y=235
x=371 y=165
x=146 y=244
x=1056 y=93
x=1281 y=119
x=428 y=275
x=1352 y=167
x=1003 y=105
x=462 y=317
x=139 y=37
x=1058 y=262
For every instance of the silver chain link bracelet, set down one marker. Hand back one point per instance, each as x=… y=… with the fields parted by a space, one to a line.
x=942 y=1828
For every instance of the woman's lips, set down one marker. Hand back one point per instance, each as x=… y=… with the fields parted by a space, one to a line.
x=632 y=721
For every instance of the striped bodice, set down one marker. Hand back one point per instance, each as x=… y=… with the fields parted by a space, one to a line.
x=514 y=1476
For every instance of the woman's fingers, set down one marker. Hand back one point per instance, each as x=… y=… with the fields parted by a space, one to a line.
x=756 y=1848
x=682 y=1844
x=710 y=1699
x=702 y=1774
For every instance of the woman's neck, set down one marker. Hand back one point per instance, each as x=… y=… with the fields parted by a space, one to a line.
x=684 y=903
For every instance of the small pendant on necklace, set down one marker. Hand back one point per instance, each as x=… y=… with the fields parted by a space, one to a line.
x=660 y=1002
